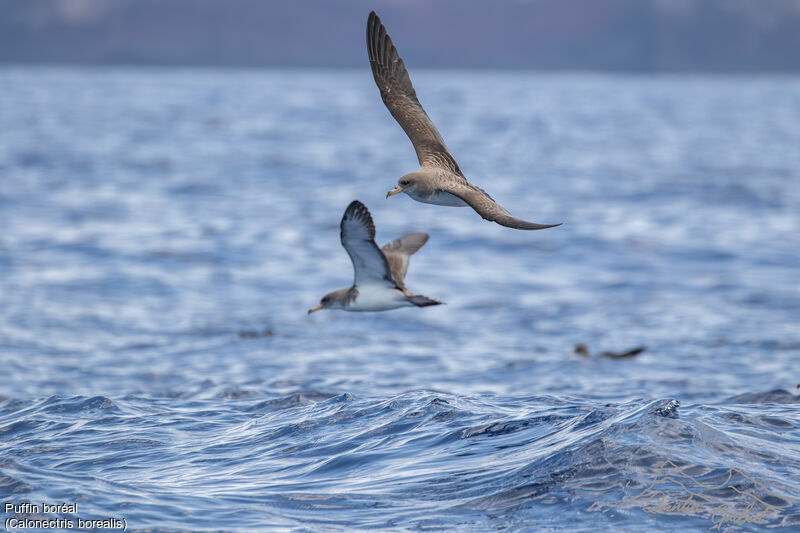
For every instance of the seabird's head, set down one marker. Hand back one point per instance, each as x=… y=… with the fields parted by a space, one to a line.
x=332 y=300
x=409 y=184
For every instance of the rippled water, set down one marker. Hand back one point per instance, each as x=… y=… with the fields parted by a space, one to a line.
x=164 y=233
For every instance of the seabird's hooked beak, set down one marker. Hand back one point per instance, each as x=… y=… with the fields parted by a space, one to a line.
x=396 y=190
x=317 y=308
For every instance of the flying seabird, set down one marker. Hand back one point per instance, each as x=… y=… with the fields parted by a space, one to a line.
x=379 y=272
x=439 y=180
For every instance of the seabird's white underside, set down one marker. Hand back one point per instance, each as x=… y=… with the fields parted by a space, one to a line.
x=377 y=297
x=440 y=198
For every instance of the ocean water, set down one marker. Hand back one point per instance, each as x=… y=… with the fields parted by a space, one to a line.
x=163 y=232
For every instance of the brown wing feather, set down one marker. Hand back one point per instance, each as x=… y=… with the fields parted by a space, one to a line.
x=490 y=210
x=400 y=98
x=397 y=254
x=398 y=264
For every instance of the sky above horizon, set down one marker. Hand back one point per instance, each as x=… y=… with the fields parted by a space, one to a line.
x=598 y=35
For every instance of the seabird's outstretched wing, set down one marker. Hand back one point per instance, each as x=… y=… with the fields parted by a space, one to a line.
x=358 y=238
x=398 y=252
x=486 y=207
x=400 y=98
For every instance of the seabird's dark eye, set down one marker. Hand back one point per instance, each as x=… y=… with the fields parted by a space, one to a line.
x=404 y=182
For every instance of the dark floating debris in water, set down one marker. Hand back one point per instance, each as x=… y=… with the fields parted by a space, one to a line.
x=622 y=355
x=583 y=350
x=252 y=334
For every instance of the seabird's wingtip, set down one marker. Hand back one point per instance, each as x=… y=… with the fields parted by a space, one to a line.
x=359 y=212
x=372 y=18
x=525 y=225
x=533 y=225
x=548 y=226
x=355 y=205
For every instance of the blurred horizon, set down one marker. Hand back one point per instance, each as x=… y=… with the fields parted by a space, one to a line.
x=637 y=36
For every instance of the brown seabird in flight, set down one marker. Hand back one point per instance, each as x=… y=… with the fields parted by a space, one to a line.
x=439 y=180
x=379 y=272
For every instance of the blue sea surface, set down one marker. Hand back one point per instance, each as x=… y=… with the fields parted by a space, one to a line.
x=163 y=233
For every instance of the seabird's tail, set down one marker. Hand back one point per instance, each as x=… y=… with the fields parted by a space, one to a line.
x=422 y=301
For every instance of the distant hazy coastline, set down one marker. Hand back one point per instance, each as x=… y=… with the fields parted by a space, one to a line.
x=604 y=35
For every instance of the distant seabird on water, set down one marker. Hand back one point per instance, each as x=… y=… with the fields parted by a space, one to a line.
x=379 y=272
x=439 y=180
